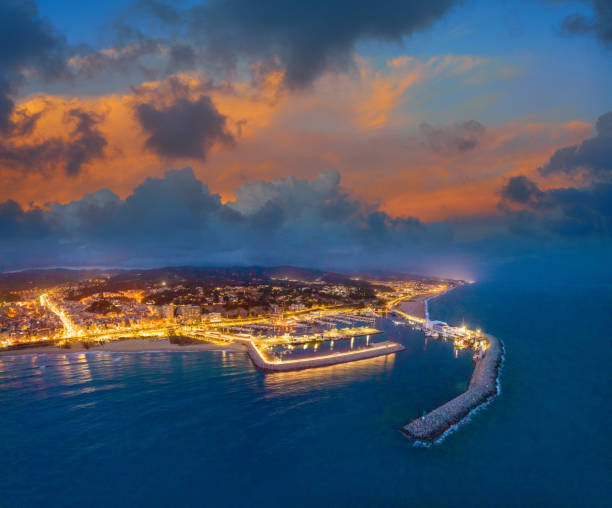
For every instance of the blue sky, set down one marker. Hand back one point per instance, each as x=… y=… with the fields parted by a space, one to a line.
x=555 y=76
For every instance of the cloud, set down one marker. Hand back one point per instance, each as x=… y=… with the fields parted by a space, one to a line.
x=123 y=58
x=302 y=135
x=583 y=211
x=177 y=218
x=28 y=47
x=84 y=144
x=186 y=128
x=453 y=139
x=308 y=39
x=17 y=224
x=521 y=190
x=600 y=25
x=593 y=156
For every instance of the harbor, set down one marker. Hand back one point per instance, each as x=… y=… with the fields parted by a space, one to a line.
x=484 y=384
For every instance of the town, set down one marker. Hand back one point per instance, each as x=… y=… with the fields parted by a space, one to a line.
x=284 y=316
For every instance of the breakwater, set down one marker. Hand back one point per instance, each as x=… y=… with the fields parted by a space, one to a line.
x=483 y=386
x=261 y=362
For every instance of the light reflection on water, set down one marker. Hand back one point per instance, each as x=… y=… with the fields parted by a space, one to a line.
x=194 y=429
x=334 y=375
x=138 y=413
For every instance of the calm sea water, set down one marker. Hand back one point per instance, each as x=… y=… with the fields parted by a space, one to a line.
x=207 y=429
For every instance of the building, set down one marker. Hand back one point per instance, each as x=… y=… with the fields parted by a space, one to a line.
x=190 y=313
x=214 y=316
x=166 y=312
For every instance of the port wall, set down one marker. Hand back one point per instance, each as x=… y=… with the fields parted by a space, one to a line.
x=309 y=363
x=483 y=386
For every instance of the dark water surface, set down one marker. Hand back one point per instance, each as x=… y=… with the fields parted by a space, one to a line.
x=207 y=429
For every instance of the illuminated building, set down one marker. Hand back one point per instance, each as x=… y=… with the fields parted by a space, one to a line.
x=167 y=312
x=190 y=313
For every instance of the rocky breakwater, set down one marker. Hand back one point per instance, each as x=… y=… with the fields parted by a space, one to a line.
x=483 y=386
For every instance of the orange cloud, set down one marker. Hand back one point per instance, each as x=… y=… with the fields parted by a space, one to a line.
x=354 y=123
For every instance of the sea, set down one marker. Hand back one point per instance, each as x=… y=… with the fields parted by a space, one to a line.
x=208 y=429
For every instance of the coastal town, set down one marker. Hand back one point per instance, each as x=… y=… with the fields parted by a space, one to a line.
x=275 y=312
x=284 y=319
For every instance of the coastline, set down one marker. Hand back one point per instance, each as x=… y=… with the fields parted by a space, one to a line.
x=141 y=345
x=418 y=306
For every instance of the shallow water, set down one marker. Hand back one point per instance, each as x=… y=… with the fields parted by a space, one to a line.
x=206 y=428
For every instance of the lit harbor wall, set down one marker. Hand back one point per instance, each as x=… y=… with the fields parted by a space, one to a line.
x=382 y=348
x=482 y=387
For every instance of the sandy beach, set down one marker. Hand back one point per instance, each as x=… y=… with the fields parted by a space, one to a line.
x=128 y=346
x=415 y=306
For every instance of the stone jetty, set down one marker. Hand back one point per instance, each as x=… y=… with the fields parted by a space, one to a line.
x=482 y=387
x=382 y=348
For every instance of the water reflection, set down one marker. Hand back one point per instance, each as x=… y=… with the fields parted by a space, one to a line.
x=299 y=381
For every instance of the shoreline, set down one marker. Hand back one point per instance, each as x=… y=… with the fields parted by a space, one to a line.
x=418 y=306
x=437 y=295
x=140 y=345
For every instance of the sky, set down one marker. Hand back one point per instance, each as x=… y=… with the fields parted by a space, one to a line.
x=448 y=137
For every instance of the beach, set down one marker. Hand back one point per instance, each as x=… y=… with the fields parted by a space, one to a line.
x=415 y=306
x=127 y=346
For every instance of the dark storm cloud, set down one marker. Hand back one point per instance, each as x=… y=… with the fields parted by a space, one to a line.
x=185 y=128
x=521 y=190
x=177 y=218
x=16 y=223
x=572 y=211
x=310 y=38
x=28 y=44
x=181 y=56
x=30 y=49
x=452 y=139
x=593 y=155
x=84 y=144
x=599 y=25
